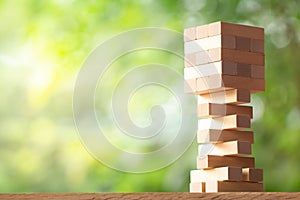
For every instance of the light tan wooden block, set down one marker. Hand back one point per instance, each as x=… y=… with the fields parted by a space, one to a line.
x=233 y=122
x=217 y=136
x=252 y=174
x=233 y=186
x=236 y=148
x=205 y=44
x=202 y=44
x=225 y=28
x=202 y=58
x=190 y=60
x=215 y=68
x=189 y=34
x=190 y=86
x=208 y=110
x=215 y=83
x=257 y=46
x=257 y=71
x=222 y=173
x=194 y=46
x=202 y=31
x=214 y=55
x=233 y=96
x=211 y=161
x=197 y=187
x=210 y=84
x=214 y=28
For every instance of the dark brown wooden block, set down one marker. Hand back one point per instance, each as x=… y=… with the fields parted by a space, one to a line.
x=212 y=161
x=252 y=174
x=209 y=110
x=217 y=136
x=233 y=186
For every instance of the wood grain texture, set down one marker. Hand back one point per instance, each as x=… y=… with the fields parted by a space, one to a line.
x=158 y=195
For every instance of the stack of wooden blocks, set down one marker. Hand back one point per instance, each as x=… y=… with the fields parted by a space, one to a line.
x=224 y=64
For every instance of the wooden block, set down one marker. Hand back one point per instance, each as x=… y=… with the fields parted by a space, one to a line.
x=228 y=42
x=244 y=70
x=209 y=83
x=189 y=34
x=233 y=122
x=211 y=161
x=239 y=30
x=197 y=187
x=228 y=68
x=257 y=46
x=202 y=44
x=243 y=44
x=214 y=29
x=202 y=57
x=252 y=174
x=214 y=55
x=208 y=110
x=192 y=47
x=222 y=173
x=201 y=31
x=190 y=86
x=233 y=55
x=222 y=54
x=217 y=136
x=252 y=84
x=203 y=70
x=257 y=71
x=190 y=60
x=233 y=96
x=241 y=56
x=217 y=41
x=235 y=148
x=215 y=83
x=242 y=30
x=233 y=186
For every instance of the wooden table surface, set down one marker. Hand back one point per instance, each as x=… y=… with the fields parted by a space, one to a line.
x=158 y=195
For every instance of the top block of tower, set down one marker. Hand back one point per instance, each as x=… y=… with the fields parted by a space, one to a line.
x=223 y=28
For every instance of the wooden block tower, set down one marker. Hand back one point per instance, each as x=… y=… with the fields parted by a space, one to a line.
x=224 y=64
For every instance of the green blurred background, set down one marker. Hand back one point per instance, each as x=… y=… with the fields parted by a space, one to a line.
x=42 y=46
